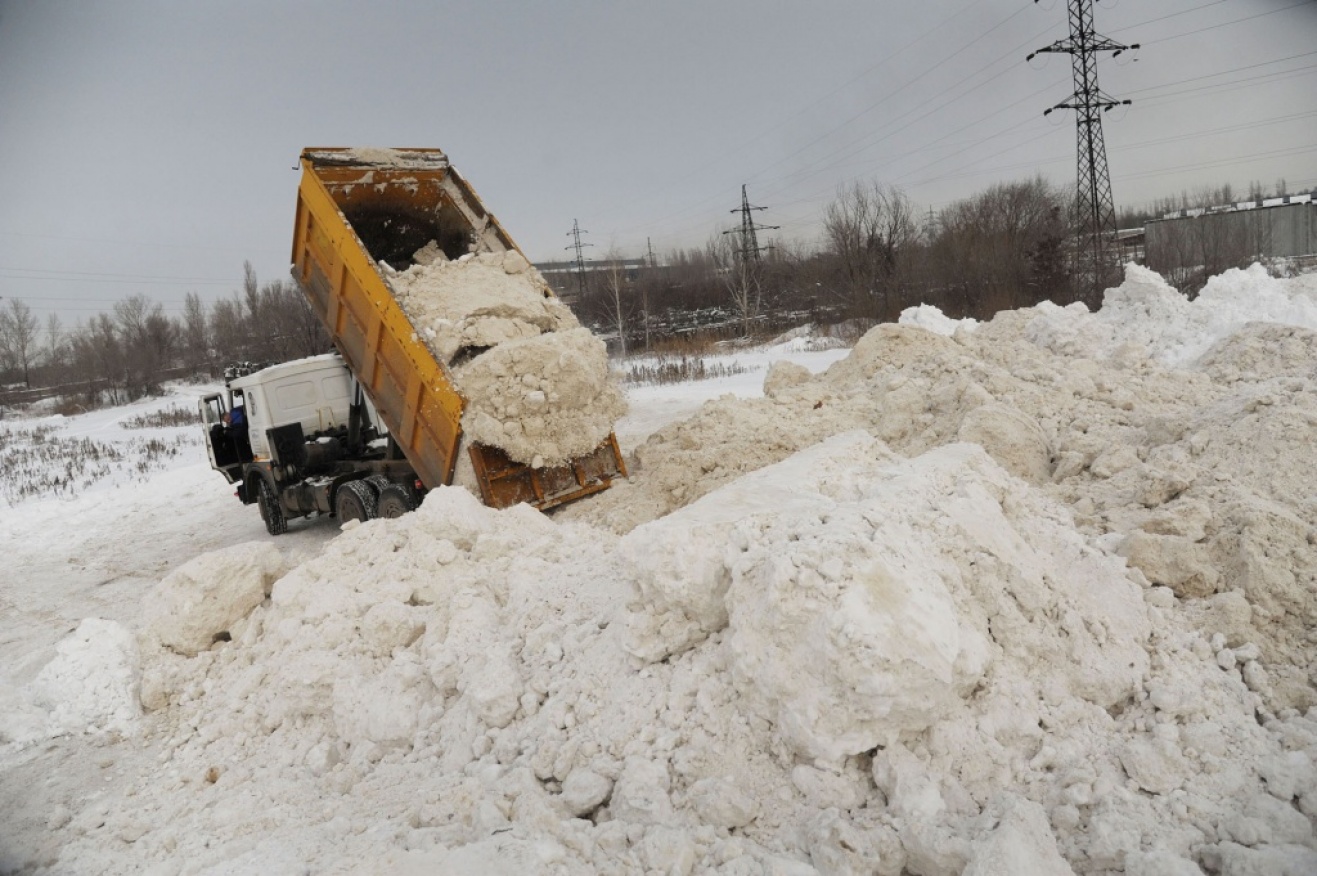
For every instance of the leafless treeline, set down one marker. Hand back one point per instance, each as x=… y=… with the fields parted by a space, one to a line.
x=126 y=353
x=1008 y=246
x=1003 y=248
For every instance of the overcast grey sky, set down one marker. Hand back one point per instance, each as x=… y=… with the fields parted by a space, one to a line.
x=150 y=146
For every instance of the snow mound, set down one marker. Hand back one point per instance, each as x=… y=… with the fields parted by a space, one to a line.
x=1036 y=597
x=852 y=659
x=91 y=686
x=879 y=622
x=1261 y=351
x=803 y=339
x=1146 y=311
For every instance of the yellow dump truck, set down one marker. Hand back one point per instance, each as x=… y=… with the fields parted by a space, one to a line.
x=368 y=431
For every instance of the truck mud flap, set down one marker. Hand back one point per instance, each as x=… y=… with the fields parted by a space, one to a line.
x=504 y=483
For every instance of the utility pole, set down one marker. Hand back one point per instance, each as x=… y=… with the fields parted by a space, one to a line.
x=749 y=249
x=1095 y=208
x=653 y=262
x=575 y=235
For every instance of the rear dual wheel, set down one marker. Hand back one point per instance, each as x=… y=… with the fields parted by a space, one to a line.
x=394 y=500
x=355 y=501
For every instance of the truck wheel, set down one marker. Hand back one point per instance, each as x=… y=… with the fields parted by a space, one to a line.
x=395 y=501
x=355 y=501
x=379 y=482
x=276 y=523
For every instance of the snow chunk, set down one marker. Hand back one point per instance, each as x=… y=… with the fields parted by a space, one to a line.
x=91 y=686
x=1020 y=843
x=199 y=602
x=536 y=384
x=543 y=399
x=929 y=317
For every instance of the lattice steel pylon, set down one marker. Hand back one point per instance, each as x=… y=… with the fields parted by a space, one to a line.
x=1096 y=252
x=579 y=262
x=749 y=249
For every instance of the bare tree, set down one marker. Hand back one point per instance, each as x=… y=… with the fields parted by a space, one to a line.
x=741 y=277
x=227 y=331
x=647 y=292
x=617 y=296
x=194 y=338
x=1000 y=249
x=867 y=228
x=56 y=350
x=250 y=290
x=18 y=338
x=288 y=328
x=99 y=355
x=306 y=333
x=1188 y=251
x=147 y=338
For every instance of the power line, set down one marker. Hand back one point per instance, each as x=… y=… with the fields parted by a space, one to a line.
x=870 y=141
x=1247 y=126
x=695 y=208
x=1171 y=15
x=128 y=242
x=736 y=150
x=98 y=277
x=1012 y=127
x=1233 y=84
x=891 y=94
x=1228 y=23
x=1225 y=162
x=843 y=152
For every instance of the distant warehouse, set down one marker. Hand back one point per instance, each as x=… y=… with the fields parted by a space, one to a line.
x=1192 y=245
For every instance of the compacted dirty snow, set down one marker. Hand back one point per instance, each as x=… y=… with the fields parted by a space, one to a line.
x=536 y=383
x=1034 y=596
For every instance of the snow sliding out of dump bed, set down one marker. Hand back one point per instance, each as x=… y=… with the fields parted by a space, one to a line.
x=363 y=214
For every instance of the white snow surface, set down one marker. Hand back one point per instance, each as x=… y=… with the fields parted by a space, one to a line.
x=1035 y=597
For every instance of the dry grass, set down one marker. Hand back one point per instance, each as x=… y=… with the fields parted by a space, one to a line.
x=39 y=463
x=663 y=369
x=168 y=417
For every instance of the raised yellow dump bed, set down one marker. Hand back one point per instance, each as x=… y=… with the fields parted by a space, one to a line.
x=356 y=207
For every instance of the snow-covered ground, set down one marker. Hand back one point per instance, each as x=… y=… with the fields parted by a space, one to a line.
x=1031 y=596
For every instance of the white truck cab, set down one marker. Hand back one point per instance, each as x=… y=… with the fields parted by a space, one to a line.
x=315 y=393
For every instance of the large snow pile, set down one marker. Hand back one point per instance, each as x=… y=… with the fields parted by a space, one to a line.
x=536 y=384
x=1009 y=600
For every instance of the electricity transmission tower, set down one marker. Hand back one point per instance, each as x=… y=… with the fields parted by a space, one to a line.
x=575 y=235
x=1095 y=208
x=749 y=249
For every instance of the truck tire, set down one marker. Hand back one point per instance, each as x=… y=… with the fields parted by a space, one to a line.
x=395 y=501
x=355 y=501
x=276 y=522
x=379 y=482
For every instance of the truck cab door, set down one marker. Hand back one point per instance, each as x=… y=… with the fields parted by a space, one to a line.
x=220 y=446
